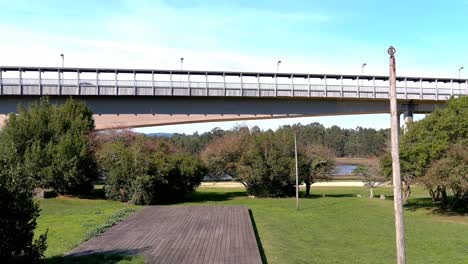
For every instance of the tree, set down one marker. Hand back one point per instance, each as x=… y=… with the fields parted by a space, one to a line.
x=370 y=175
x=267 y=165
x=335 y=138
x=428 y=141
x=223 y=154
x=52 y=143
x=450 y=172
x=19 y=211
x=317 y=163
x=145 y=170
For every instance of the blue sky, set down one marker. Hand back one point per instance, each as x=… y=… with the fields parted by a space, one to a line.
x=308 y=36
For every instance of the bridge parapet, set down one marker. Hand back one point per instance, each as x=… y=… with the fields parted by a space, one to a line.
x=37 y=81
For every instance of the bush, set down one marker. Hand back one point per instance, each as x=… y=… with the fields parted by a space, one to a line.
x=18 y=216
x=52 y=144
x=267 y=166
x=144 y=170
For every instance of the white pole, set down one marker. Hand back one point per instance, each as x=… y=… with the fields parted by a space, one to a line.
x=297 y=173
x=399 y=224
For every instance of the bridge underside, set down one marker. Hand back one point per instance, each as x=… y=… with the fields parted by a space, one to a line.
x=132 y=111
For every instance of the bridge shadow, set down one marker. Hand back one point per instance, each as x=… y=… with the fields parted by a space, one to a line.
x=257 y=237
x=93 y=257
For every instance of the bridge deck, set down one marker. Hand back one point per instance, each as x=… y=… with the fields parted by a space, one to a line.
x=123 y=82
x=182 y=234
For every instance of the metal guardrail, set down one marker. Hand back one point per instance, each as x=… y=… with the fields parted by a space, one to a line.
x=179 y=83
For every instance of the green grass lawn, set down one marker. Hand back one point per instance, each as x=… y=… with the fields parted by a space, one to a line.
x=68 y=220
x=341 y=228
x=337 y=228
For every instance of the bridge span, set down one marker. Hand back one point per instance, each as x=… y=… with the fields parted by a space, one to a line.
x=142 y=97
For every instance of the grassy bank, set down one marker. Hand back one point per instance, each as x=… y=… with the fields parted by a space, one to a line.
x=69 y=220
x=341 y=228
x=336 y=228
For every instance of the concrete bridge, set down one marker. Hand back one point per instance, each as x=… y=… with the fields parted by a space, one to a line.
x=142 y=97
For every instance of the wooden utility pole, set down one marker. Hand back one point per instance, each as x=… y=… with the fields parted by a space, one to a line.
x=399 y=224
x=297 y=173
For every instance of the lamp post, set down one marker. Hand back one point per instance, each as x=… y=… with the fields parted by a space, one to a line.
x=277 y=66
x=362 y=72
x=63 y=64
x=180 y=76
x=459 y=75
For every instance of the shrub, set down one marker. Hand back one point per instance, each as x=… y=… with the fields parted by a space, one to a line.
x=145 y=171
x=18 y=216
x=267 y=166
x=52 y=144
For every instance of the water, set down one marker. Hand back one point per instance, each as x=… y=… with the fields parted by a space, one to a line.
x=345 y=169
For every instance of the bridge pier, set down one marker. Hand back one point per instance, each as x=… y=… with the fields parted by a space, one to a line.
x=408 y=117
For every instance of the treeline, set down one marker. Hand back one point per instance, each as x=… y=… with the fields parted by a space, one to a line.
x=359 y=142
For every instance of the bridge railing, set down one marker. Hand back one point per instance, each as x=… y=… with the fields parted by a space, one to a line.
x=276 y=85
x=88 y=87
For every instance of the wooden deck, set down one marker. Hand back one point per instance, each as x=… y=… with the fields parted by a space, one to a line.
x=181 y=234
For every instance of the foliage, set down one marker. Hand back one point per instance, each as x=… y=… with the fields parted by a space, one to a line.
x=147 y=170
x=427 y=147
x=450 y=172
x=359 y=142
x=222 y=155
x=265 y=161
x=18 y=216
x=52 y=143
x=267 y=165
x=111 y=221
x=317 y=163
x=196 y=143
x=370 y=175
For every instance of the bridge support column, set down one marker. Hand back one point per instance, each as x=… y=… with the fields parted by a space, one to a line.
x=408 y=116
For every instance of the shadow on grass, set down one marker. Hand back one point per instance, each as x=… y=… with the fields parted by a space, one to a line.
x=96 y=194
x=313 y=195
x=415 y=204
x=106 y=257
x=200 y=197
x=257 y=237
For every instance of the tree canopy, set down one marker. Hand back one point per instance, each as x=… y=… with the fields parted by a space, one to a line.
x=433 y=151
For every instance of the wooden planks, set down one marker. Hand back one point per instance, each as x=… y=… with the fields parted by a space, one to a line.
x=181 y=234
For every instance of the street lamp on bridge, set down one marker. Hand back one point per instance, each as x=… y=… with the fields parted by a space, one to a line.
x=277 y=66
x=63 y=59
x=181 y=62
x=362 y=72
x=459 y=75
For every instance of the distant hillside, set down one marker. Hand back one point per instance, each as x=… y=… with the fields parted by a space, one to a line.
x=168 y=135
